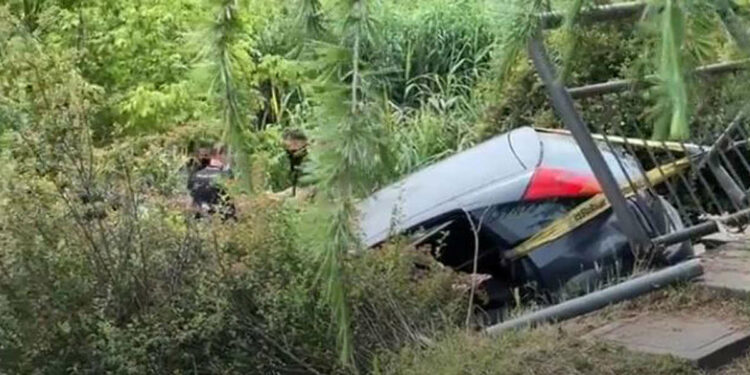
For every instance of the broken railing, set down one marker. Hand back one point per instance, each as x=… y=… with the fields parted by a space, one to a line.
x=707 y=179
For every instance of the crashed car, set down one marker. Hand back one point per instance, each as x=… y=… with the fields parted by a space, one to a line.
x=503 y=192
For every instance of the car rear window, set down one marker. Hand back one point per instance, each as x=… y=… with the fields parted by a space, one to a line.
x=517 y=221
x=503 y=226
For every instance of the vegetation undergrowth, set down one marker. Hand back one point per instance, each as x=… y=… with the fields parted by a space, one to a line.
x=542 y=351
x=104 y=266
x=563 y=348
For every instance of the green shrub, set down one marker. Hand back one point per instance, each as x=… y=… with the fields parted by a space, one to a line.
x=145 y=289
x=396 y=304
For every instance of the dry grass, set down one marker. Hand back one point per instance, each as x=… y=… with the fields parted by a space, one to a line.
x=547 y=350
x=686 y=298
x=739 y=367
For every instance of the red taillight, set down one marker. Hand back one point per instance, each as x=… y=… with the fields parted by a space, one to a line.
x=559 y=183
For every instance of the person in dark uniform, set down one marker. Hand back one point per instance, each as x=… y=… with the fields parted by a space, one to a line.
x=208 y=196
x=295 y=145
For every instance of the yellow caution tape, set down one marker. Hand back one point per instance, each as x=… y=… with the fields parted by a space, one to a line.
x=591 y=208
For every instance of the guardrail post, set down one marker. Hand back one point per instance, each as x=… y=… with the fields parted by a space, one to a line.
x=563 y=105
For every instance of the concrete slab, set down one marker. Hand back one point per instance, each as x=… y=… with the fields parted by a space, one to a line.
x=726 y=240
x=708 y=342
x=727 y=270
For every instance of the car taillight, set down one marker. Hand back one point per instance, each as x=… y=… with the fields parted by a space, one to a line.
x=559 y=183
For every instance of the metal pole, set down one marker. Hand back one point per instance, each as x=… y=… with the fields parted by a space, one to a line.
x=563 y=104
x=724 y=138
x=702 y=229
x=621 y=85
x=602 y=298
x=735 y=193
x=604 y=13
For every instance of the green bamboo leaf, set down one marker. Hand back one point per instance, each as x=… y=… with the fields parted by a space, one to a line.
x=515 y=26
x=349 y=152
x=671 y=73
x=570 y=41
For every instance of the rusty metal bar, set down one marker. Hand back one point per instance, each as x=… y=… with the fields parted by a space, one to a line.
x=563 y=104
x=621 y=85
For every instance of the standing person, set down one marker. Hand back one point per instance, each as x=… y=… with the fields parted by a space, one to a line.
x=295 y=145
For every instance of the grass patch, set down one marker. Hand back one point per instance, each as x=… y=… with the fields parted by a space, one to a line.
x=672 y=300
x=546 y=350
x=681 y=299
x=560 y=349
x=739 y=367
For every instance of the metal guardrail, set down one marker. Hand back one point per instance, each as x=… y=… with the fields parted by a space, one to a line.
x=710 y=193
x=552 y=20
x=707 y=180
x=621 y=85
x=602 y=298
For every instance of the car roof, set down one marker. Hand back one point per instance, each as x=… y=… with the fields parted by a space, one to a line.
x=493 y=172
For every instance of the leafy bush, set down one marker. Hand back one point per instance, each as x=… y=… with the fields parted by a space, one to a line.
x=107 y=286
x=104 y=270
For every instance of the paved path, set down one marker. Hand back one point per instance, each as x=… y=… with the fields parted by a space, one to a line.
x=705 y=337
